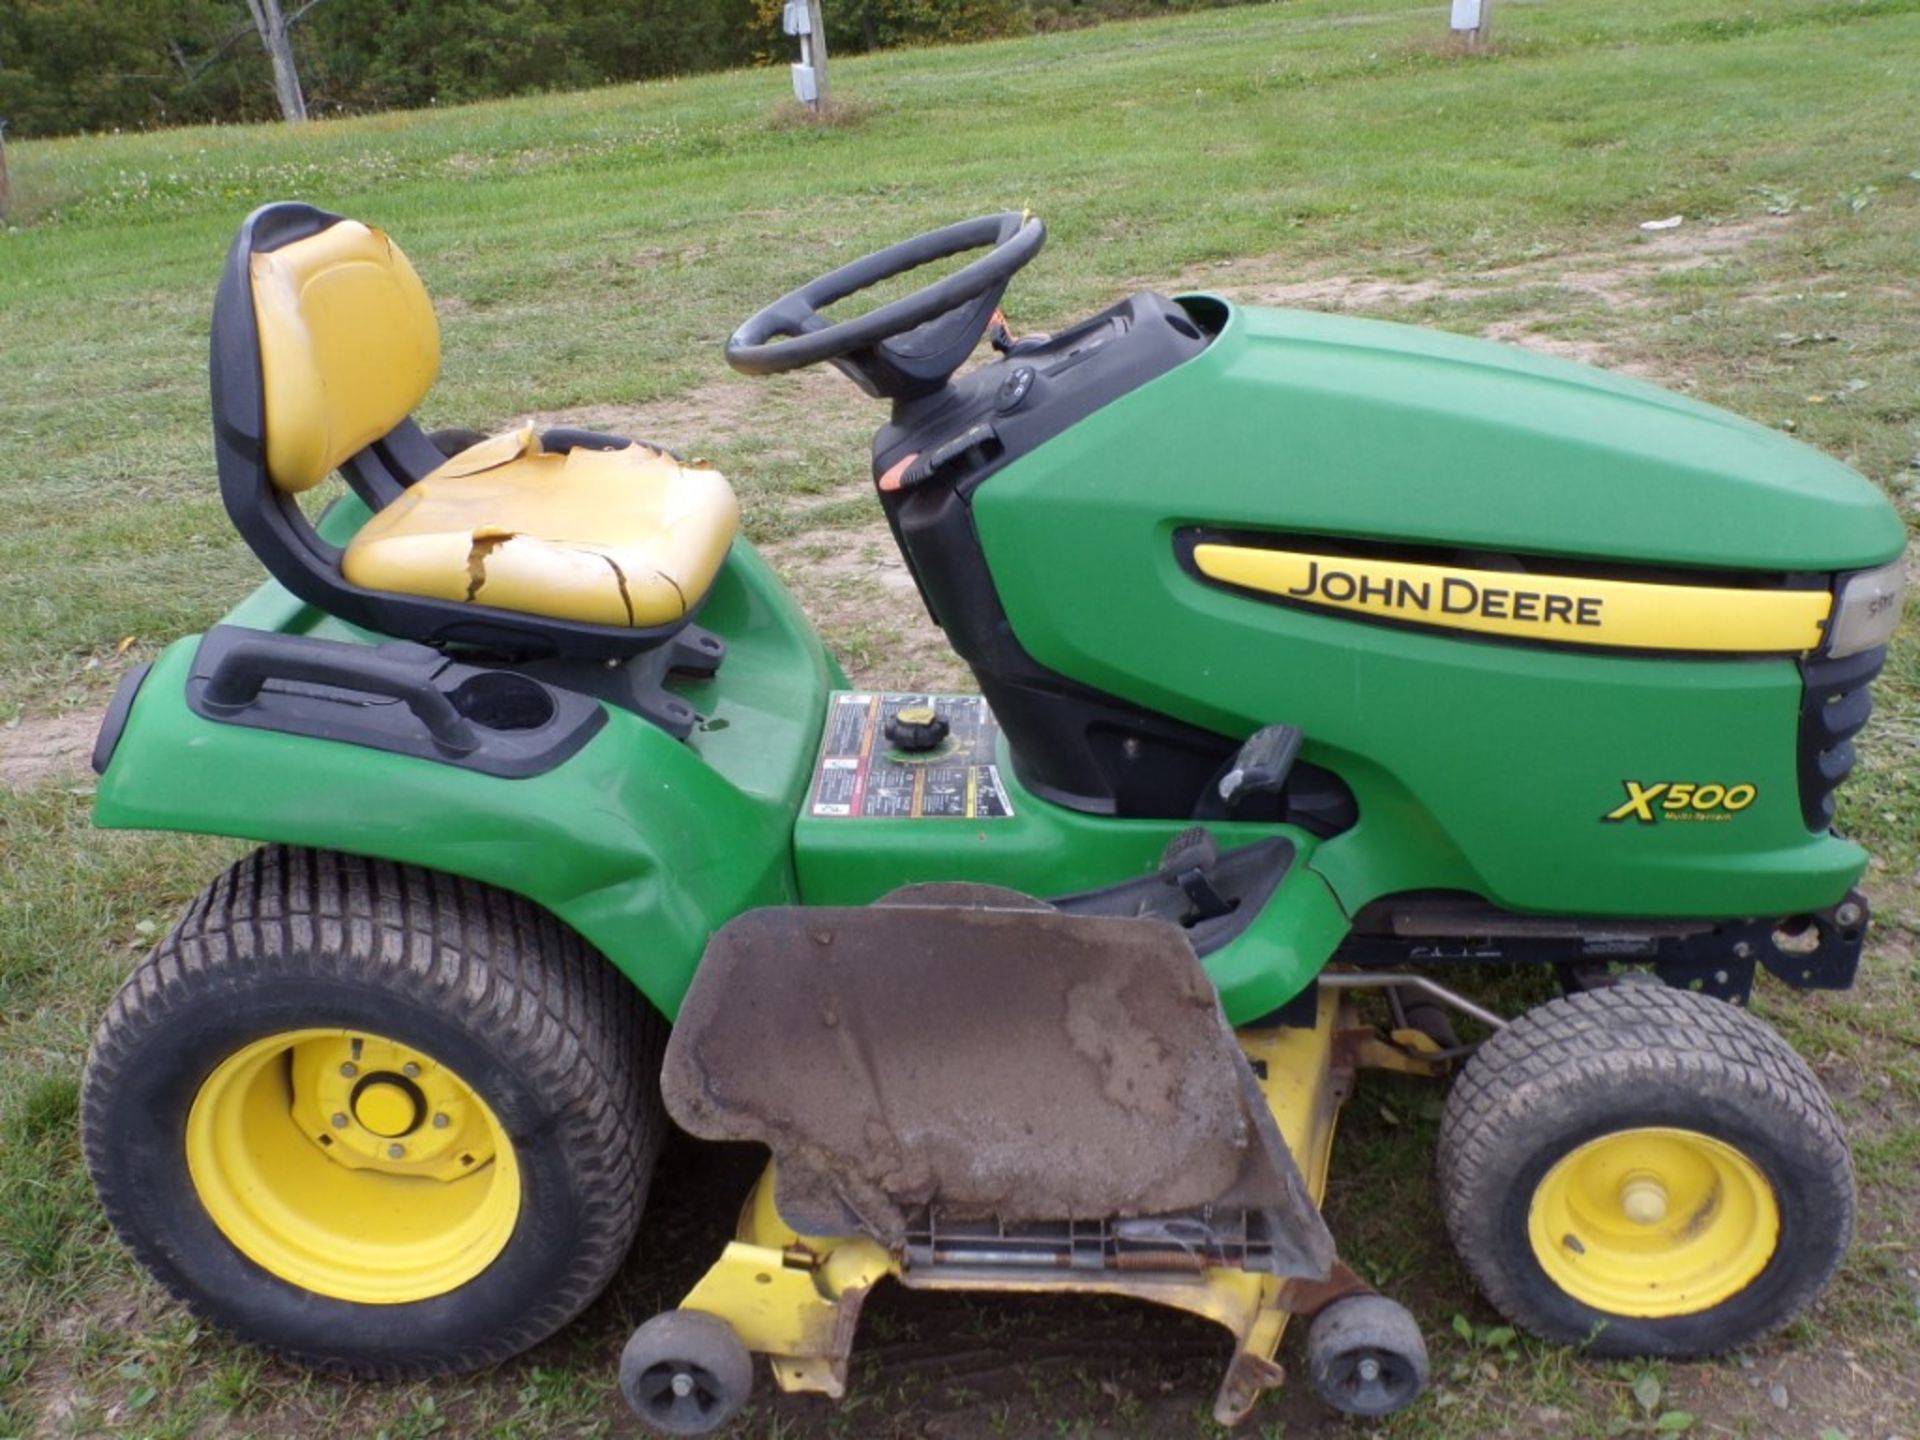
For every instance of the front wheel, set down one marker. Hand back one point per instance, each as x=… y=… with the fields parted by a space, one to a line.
x=1645 y=1171
x=378 y=1119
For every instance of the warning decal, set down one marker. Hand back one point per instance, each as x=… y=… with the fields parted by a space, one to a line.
x=863 y=775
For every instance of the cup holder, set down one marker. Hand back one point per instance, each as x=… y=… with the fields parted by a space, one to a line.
x=500 y=700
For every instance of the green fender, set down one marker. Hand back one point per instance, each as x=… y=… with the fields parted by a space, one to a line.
x=642 y=843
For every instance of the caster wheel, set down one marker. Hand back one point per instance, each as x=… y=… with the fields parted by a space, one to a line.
x=1366 y=1356
x=1640 y=1170
x=1434 y=1022
x=685 y=1373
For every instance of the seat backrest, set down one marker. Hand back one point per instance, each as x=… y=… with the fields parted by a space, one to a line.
x=348 y=347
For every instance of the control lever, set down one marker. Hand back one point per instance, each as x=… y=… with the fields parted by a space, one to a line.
x=929 y=461
x=1263 y=763
x=1185 y=863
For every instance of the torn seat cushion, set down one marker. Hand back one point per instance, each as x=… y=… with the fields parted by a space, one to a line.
x=631 y=537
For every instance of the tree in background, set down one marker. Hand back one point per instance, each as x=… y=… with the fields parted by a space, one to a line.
x=120 y=64
x=374 y=54
x=276 y=38
x=857 y=25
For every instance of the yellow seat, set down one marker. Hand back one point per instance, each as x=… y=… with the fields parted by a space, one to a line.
x=324 y=344
x=627 y=537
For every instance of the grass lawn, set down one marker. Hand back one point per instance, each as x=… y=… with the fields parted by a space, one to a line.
x=590 y=252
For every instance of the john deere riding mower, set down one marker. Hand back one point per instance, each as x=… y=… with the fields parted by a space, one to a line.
x=1316 y=656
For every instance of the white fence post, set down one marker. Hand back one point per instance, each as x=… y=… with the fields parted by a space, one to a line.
x=1472 y=20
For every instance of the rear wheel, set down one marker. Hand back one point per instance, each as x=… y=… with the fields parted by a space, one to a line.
x=1645 y=1171
x=376 y=1118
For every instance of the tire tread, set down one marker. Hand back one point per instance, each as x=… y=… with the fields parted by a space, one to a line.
x=527 y=983
x=1600 y=1041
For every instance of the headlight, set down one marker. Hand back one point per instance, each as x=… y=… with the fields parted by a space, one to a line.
x=1868 y=609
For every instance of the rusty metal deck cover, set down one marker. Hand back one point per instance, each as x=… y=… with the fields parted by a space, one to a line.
x=973 y=1049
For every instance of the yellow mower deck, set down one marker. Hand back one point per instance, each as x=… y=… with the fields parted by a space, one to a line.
x=797 y=1299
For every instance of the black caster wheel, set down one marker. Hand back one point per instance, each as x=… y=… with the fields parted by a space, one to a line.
x=1366 y=1356
x=1434 y=1022
x=685 y=1373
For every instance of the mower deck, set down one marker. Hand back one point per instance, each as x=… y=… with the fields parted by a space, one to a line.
x=797 y=1299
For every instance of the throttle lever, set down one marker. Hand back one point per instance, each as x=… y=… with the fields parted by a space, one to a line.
x=1262 y=764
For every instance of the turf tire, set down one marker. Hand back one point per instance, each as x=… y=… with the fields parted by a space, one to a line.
x=563 y=1048
x=1623 y=1057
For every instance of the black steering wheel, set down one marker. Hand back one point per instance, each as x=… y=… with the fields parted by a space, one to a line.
x=908 y=347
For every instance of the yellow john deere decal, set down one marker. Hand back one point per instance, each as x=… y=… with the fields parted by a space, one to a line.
x=1671 y=800
x=1622 y=614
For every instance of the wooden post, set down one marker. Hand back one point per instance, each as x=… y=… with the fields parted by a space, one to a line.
x=6 y=180
x=803 y=19
x=1473 y=21
x=818 y=56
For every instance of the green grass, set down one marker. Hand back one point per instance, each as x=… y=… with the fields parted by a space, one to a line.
x=593 y=250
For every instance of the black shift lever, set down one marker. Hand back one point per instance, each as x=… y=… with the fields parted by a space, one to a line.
x=1263 y=764
x=1260 y=767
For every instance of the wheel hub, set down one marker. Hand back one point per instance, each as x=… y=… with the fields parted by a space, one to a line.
x=352 y=1166
x=1643 y=1200
x=1654 y=1222
x=370 y=1103
x=387 y=1105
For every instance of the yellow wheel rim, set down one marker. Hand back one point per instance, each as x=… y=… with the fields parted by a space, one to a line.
x=1654 y=1222
x=353 y=1166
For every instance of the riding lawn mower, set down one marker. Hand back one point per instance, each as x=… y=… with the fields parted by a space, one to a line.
x=1320 y=662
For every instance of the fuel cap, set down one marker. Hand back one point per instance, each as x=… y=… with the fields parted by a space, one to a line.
x=915 y=728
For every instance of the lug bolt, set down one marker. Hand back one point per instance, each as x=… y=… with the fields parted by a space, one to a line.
x=339 y=1120
x=396 y=1152
x=349 y=1069
x=1743 y=950
x=682 y=1384
x=440 y=1122
x=410 y=1070
x=1369 y=1369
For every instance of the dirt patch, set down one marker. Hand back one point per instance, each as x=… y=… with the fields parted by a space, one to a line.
x=1357 y=292
x=1615 y=272
x=720 y=412
x=689 y=423
x=1799 y=1393
x=860 y=596
x=40 y=748
x=1616 y=276
x=1523 y=332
